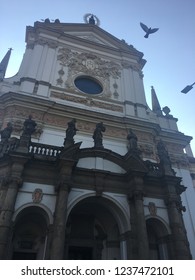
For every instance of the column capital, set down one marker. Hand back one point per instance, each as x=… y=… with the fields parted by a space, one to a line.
x=175 y=202
x=136 y=195
x=63 y=184
x=7 y=180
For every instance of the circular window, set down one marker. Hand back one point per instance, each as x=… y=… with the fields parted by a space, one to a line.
x=88 y=85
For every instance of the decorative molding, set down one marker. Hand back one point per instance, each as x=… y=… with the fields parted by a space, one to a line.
x=42 y=41
x=180 y=160
x=87 y=101
x=133 y=66
x=60 y=80
x=88 y=64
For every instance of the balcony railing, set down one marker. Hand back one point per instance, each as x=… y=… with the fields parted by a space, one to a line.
x=44 y=150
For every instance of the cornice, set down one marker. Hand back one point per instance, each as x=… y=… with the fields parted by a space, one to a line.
x=44 y=106
x=60 y=33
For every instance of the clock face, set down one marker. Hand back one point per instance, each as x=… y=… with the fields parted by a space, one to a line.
x=88 y=85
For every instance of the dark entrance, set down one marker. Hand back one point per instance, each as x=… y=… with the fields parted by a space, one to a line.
x=24 y=256
x=80 y=253
x=91 y=231
x=158 y=240
x=29 y=234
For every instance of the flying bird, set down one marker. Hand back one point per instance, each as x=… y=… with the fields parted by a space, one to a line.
x=148 y=30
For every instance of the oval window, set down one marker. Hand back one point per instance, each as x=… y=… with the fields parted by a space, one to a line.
x=88 y=85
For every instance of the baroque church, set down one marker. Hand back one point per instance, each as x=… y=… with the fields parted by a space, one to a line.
x=87 y=170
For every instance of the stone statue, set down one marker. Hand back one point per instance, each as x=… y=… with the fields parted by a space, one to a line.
x=98 y=136
x=6 y=133
x=132 y=140
x=70 y=132
x=164 y=158
x=162 y=152
x=91 y=20
x=29 y=126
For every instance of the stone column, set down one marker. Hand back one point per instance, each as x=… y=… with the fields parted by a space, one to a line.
x=142 y=237
x=65 y=168
x=143 y=248
x=131 y=237
x=126 y=246
x=179 y=237
x=48 y=242
x=3 y=189
x=6 y=215
x=58 y=240
x=180 y=244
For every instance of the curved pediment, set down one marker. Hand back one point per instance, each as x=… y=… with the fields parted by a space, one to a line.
x=107 y=160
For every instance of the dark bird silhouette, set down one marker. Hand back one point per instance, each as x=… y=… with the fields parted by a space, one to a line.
x=148 y=30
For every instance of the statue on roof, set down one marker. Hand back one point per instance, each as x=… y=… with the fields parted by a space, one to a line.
x=6 y=133
x=29 y=126
x=165 y=161
x=132 y=140
x=70 y=133
x=91 y=19
x=132 y=145
x=98 y=136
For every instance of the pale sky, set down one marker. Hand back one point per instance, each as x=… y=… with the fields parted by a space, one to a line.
x=170 y=52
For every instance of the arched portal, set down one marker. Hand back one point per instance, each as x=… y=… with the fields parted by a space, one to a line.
x=93 y=231
x=29 y=234
x=158 y=237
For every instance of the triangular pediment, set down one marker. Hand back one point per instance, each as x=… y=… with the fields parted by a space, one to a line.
x=90 y=36
x=84 y=33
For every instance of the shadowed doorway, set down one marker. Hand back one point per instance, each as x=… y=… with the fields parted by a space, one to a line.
x=92 y=232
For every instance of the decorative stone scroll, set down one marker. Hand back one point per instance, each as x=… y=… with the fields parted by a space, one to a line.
x=89 y=64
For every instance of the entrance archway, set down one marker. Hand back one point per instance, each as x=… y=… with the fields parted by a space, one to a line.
x=158 y=239
x=29 y=234
x=92 y=231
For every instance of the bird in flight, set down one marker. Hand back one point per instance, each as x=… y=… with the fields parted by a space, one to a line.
x=148 y=30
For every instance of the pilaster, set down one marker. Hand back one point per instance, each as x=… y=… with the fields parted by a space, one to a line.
x=136 y=198
x=6 y=214
x=58 y=239
x=65 y=168
x=174 y=206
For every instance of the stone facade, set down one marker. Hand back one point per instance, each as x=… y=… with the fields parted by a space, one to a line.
x=86 y=175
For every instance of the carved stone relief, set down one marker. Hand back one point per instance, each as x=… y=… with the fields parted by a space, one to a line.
x=37 y=195
x=147 y=150
x=88 y=64
x=88 y=101
x=152 y=208
x=60 y=80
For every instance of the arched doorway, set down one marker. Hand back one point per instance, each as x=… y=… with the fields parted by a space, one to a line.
x=158 y=239
x=92 y=231
x=29 y=234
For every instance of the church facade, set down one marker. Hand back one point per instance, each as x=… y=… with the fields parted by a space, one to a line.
x=87 y=169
